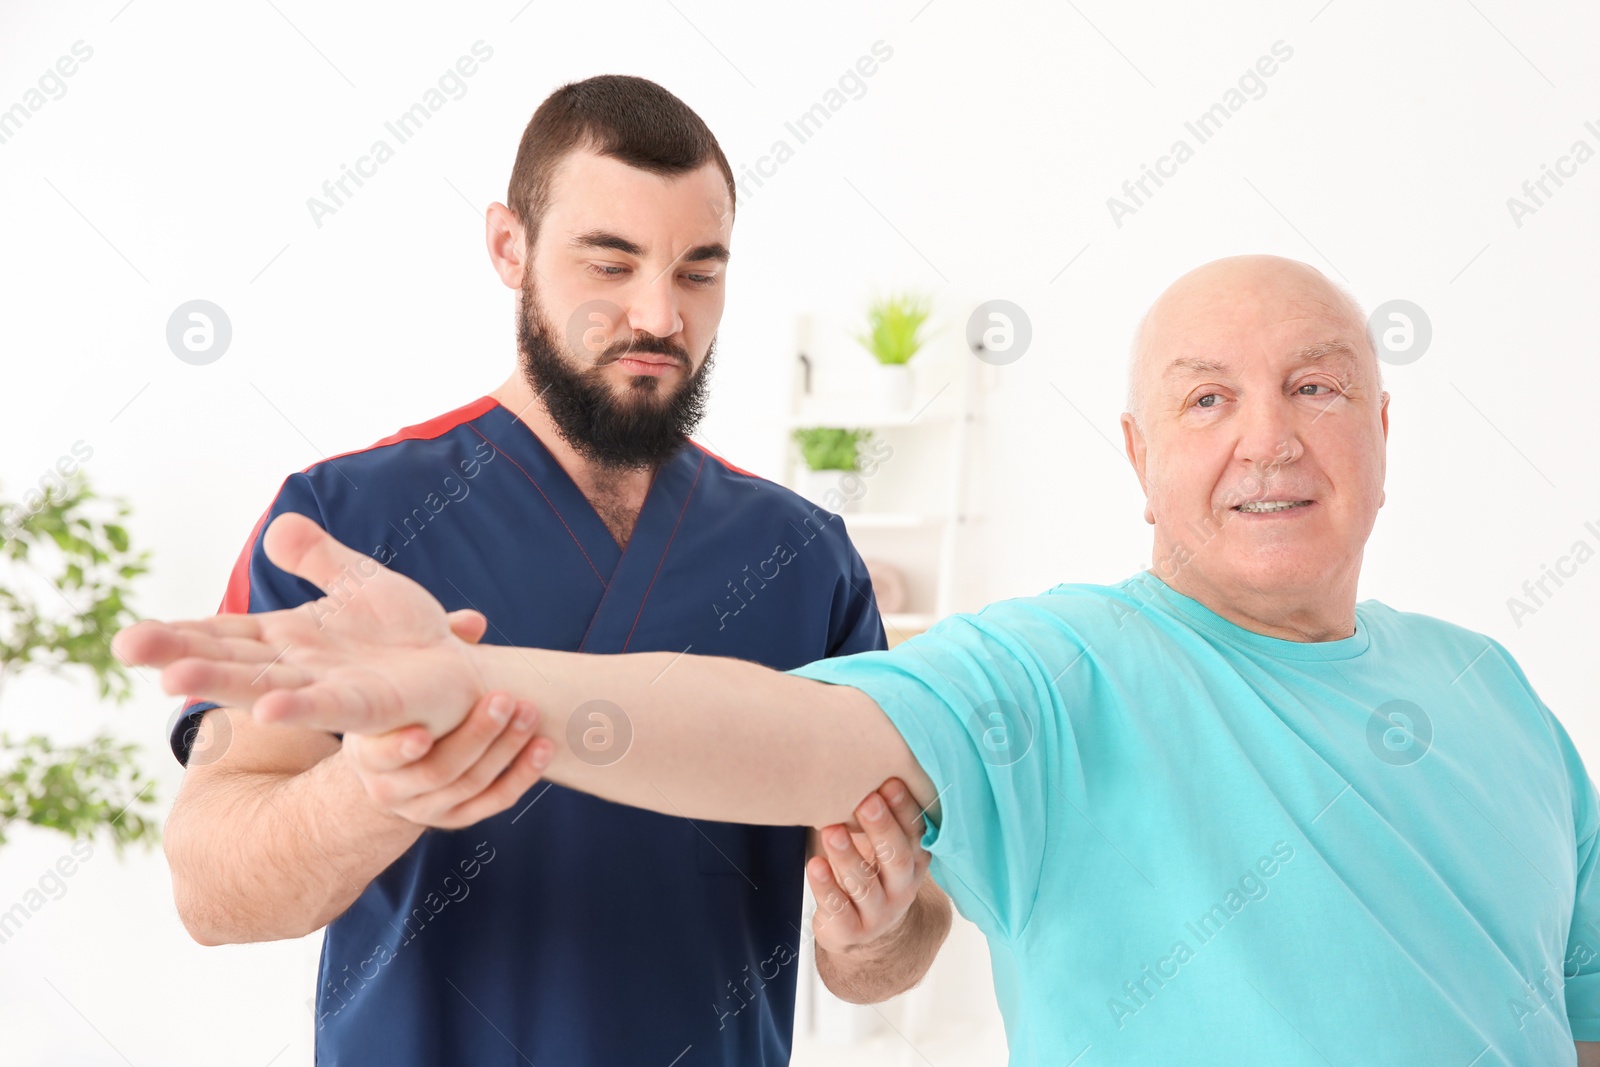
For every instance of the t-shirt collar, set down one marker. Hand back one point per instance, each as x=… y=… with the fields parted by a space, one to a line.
x=1195 y=611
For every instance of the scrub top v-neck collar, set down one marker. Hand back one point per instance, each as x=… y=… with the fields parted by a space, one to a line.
x=626 y=574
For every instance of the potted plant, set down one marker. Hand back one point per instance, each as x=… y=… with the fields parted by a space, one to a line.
x=832 y=457
x=895 y=336
x=65 y=571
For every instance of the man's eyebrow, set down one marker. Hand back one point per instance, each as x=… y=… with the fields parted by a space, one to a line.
x=701 y=253
x=1307 y=354
x=1195 y=366
x=617 y=243
x=606 y=239
x=1314 y=352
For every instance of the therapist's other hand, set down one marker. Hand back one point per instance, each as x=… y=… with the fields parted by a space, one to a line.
x=376 y=654
x=866 y=883
x=479 y=769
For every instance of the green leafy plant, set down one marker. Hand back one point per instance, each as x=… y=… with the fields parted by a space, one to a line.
x=826 y=448
x=65 y=570
x=896 y=328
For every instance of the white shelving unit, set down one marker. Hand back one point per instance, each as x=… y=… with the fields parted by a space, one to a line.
x=913 y=509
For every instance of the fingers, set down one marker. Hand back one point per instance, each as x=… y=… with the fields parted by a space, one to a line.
x=907 y=812
x=507 y=789
x=298 y=545
x=502 y=753
x=475 y=771
x=238 y=685
x=864 y=883
x=156 y=644
x=851 y=871
x=395 y=749
x=145 y=643
x=836 y=922
x=469 y=625
x=287 y=695
x=889 y=845
x=385 y=752
x=456 y=752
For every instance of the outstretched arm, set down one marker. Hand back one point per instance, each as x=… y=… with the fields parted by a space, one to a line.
x=711 y=738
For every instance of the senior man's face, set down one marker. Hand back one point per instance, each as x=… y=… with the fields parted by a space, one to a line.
x=1261 y=449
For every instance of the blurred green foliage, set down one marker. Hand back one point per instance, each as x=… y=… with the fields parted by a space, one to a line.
x=66 y=568
x=828 y=449
x=896 y=327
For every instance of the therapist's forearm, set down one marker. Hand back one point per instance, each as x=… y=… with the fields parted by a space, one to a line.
x=712 y=737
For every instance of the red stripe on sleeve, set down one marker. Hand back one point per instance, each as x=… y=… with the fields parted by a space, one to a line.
x=236 y=598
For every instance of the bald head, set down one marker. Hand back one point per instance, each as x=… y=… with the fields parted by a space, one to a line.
x=1212 y=297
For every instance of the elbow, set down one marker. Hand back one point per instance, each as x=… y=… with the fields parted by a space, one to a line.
x=186 y=895
x=209 y=916
x=202 y=934
x=189 y=897
x=205 y=923
x=210 y=922
x=199 y=922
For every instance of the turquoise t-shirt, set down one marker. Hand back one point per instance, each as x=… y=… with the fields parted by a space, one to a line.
x=1191 y=843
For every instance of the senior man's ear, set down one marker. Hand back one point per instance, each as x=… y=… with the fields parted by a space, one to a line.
x=1383 y=415
x=1133 y=444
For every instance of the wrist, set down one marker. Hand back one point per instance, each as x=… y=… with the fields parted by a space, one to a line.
x=465 y=684
x=523 y=673
x=481 y=666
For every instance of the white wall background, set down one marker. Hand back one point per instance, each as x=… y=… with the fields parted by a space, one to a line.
x=976 y=164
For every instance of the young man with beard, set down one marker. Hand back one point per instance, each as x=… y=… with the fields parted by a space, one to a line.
x=466 y=921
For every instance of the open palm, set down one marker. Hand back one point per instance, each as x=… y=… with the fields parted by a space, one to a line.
x=377 y=653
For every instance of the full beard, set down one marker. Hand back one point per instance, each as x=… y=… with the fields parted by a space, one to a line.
x=638 y=428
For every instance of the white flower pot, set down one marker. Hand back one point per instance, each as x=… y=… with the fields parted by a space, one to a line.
x=892 y=386
x=831 y=489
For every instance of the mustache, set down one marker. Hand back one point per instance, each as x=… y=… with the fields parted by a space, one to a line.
x=647 y=343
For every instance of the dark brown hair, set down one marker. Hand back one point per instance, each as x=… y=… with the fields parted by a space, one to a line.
x=630 y=119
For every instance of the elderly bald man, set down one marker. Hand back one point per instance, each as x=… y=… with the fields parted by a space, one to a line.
x=1217 y=812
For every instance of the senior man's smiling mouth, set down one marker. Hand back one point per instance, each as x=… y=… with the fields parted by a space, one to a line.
x=1271 y=507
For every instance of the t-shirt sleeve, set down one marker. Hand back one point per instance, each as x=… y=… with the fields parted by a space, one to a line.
x=1582 y=964
x=856 y=624
x=256 y=584
x=984 y=719
x=1583 y=943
